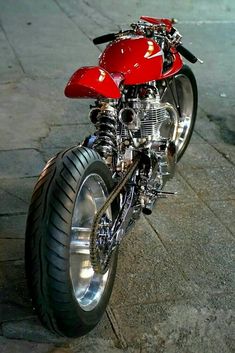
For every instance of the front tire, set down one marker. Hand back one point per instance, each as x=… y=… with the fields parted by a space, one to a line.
x=69 y=297
x=185 y=93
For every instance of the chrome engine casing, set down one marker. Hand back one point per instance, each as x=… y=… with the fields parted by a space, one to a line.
x=147 y=119
x=143 y=126
x=148 y=125
x=142 y=123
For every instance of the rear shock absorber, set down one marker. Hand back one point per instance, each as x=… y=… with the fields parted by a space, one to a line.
x=106 y=130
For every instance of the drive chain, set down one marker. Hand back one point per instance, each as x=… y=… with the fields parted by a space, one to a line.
x=94 y=251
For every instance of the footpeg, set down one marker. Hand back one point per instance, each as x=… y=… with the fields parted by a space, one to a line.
x=159 y=194
x=164 y=194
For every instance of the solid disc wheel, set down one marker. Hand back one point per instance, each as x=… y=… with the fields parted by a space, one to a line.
x=68 y=295
x=183 y=90
x=87 y=285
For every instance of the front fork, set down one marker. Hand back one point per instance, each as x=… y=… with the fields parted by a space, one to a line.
x=173 y=89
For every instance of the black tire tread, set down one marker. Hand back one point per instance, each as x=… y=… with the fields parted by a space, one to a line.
x=46 y=246
x=188 y=72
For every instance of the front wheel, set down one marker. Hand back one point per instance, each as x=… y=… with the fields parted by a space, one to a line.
x=182 y=93
x=69 y=297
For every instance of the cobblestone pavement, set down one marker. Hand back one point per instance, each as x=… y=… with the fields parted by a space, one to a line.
x=178 y=293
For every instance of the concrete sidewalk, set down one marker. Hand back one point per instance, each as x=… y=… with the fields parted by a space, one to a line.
x=174 y=290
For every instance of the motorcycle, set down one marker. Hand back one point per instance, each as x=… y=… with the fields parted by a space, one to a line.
x=88 y=197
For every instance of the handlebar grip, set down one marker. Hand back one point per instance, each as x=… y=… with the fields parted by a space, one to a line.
x=104 y=39
x=186 y=53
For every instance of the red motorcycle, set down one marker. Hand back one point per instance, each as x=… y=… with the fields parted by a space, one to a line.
x=89 y=196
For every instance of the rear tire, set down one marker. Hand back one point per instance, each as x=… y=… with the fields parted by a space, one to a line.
x=68 y=302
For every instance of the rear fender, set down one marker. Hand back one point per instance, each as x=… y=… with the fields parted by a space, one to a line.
x=92 y=82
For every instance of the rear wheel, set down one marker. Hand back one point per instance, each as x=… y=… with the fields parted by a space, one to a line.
x=68 y=295
x=182 y=91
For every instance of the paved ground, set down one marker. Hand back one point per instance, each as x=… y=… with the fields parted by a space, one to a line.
x=175 y=283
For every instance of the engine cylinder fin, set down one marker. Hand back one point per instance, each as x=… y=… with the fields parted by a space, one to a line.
x=152 y=114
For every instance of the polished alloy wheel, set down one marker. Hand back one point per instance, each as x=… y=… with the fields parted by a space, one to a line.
x=185 y=99
x=181 y=93
x=88 y=286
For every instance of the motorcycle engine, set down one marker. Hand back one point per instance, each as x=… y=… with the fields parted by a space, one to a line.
x=146 y=119
x=147 y=123
x=144 y=125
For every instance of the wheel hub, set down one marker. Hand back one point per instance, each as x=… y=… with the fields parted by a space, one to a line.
x=88 y=286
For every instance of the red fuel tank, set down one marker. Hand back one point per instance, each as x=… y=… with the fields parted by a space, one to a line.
x=139 y=59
